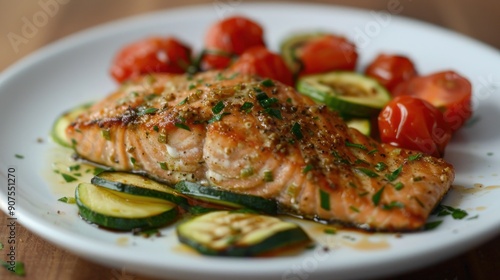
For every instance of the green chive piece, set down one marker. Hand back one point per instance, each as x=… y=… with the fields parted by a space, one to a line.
x=191 y=86
x=268 y=83
x=163 y=165
x=417 y=178
x=147 y=111
x=156 y=128
x=268 y=176
x=330 y=231
x=246 y=106
x=69 y=200
x=132 y=160
x=183 y=126
x=68 y=178
x=246 y=172
x=183 y=101
x=106 y=134
x=75 y=167
x=218 y=107
x=399 y=186
x=218 y=117
x=394 y=175
x=392 y=205
x=415 y=157
x=377 y=196
x=432 y=225
x=296 y=130
x=367 y=172
x=372 y=151
x=19 y=156
x=324 y=199
x=354 y=145
x=353 y=208
x=380 y=166
x=274 y=113
x=98 y=170
x=307 y=168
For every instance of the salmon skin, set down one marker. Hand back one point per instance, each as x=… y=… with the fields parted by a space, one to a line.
x=254 y=136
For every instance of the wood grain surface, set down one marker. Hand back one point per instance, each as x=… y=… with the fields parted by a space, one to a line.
x=42 y=260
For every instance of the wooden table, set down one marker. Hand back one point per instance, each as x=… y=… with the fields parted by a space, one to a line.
x=45 y=261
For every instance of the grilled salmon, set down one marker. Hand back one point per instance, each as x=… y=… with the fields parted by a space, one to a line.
x=254 y=136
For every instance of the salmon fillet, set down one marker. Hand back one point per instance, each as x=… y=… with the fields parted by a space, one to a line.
x=252 y=136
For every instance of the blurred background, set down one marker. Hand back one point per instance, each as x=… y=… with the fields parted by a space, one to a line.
x=477 y=19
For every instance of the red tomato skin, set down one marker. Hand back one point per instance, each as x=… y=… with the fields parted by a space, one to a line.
x=327 y=53
x=446 y=90
x=215 y=62
x=262 y=62
x=150 y=55
x=234 y=35
x=412 y=123
x=391 y=70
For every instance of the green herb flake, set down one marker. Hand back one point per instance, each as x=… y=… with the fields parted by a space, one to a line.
x=445 y=210
x=380 y=166
x=106 y=134
x=268 y=176
x=151 y=96
x=156 y=128
x=218 y=107
x=392 y=205
x=297 y=132
x=289 y=100
x=324 y=199
x=98 y=170
x=415 y=157
x=18 y=268
x=372 y=151
x=354 y=145
x=19 y=156
x=75 y=167
x=191 y=86
x=395 y=174
x=432 y=225
x=247 y=106
x=368 y=172
x=267 y=83
x=330 y=230
x=163 y=165
x=183 y=126
x=417 y=178
x=274 y=113
x=307 y=168
x=217 y=118
x=68 y=178
x=246 y=172
x=361 y=161
x=399 y=186
x=183 y=101
x=69 y=200
x=377 y=196
x=132 y=160
x=147 y=111
x=354 y=208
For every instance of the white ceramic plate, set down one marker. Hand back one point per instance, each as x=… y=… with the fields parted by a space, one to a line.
x=74 y=70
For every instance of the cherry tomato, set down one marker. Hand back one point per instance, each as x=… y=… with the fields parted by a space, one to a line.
x=391 y=70
x=215 y=61
x=327 y=53
x=234 y=35
x=260 y=61
x=446 y=90
x=150 y=55
x=415 y=124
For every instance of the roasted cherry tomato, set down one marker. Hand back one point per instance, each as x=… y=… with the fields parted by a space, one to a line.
x=262 y=62
x=446 y=90
x=412 y=123
x=230 y=37
x=151 y=55
x=391 y=70
x=327 y=53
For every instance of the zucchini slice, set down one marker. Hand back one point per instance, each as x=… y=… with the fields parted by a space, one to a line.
x=233 y=233
x=363 y=125
x=349 y=93
x=138 y=185
x=214 y=195
x=121 y=211
x=58 y=132
x=291 y=44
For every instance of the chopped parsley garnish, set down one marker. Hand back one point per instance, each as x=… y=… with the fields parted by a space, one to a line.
x=330 y=231
x=19 y=156
x=132 y=160
x=399 y=186
x=150 y=97
x=324 y=199
x=394 y=175
x=156 y=128
x=417 y=178
x=274 y=113
x=163 y=165
x=445 y=210
x=372 y=151
x=340 y=159
x=98 y=170
x=297 y=132
x=147 y=111
x=183 y=101
x=106 y=134
x=268 y=176
x=377 y=196
x=191 y=86
x=246 y=172
x=75 y=167
x=183 y=126
x=218 y=117
x=354 y=145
